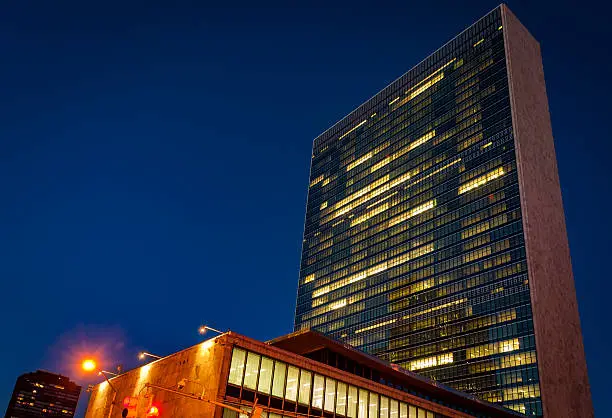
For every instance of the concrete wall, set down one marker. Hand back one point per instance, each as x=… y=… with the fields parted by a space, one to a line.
x=564 y=382
x=207 y=363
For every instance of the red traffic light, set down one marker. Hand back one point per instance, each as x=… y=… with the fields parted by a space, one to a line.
x=153 y=411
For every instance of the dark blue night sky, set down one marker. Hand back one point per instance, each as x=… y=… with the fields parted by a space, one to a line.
x=154 y=161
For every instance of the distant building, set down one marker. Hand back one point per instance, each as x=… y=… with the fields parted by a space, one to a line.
x=43 y=394
x=301 y=374
x=435 y=235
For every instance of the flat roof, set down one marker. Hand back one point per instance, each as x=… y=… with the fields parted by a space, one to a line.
x=307 y=341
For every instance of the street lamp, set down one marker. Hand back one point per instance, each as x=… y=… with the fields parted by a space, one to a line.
x=105 y=372
x=90 y=365
x=203 y=328
x=143 y=354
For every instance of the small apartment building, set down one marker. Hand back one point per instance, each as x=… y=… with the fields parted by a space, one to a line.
x=301 y=374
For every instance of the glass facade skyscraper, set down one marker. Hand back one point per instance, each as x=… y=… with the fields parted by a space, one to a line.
x=435 y=235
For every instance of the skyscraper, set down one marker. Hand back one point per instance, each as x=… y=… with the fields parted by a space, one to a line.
x=435 y=235
x=43 y=394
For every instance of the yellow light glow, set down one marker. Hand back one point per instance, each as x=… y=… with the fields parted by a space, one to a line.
x=309 y=278
x=413 y=212
x=352 y=129
x=479 y=42
x=89 y=365
x=479 y=181
x=431 y=361
x=358 y=161
x=102 y=386
x=380 y=324
x=435 y=308
x=337 y=305
x=374 y=270
x=369 y=214
x=317 y=180
x=426 y=83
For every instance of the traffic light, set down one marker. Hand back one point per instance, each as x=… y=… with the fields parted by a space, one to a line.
x=153 y=411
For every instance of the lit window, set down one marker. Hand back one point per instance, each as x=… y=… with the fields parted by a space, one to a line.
x=278 y=383
x=305 y=382
x=479 y=181
x=341 y=402
x=251 y=371
x=359 y=161
x=237 y=366
x=384 y=407
x=373 y=405
x=265 y=375
x=352 y=129
x=330 y=394
x=362 y=411
x=317 y=392
x=292 y=383
x=352 y=402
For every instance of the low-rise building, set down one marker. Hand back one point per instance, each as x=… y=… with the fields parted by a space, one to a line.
x=301 y=374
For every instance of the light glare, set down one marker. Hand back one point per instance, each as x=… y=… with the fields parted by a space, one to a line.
x=89 y=365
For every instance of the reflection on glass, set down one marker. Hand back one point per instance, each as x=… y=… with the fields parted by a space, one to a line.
x=394 y=409
x=330 y=394
x=278 y=384
x=412 y=412
x=305 y=382
x=292 y=383
x=384 y=407
x=373 y=405
x=363 y=404
x=317 y=392
x=341 y=403
x=352 y=402
x=250 y=372
x=237 y=367
x=265 y=375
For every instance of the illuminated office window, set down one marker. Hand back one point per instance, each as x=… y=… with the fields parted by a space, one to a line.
x=251 y=371
x=330 y=394
x=292 y=383
x=237 y=366
x=278 y=383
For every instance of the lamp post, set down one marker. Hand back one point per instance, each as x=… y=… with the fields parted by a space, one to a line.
x=105 y=372
x=143 y=354
x=90 y=365
x=203 y=328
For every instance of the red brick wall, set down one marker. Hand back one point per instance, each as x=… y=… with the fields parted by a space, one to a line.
x=561 y=363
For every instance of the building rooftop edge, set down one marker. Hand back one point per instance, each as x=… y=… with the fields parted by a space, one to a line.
x=501 y=6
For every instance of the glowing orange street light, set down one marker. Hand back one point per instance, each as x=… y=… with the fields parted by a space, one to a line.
x=203 y=328
x=89 y=365
x=143 y=354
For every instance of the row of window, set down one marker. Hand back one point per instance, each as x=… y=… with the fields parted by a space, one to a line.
x=462 y=45
x=443 y=202
x=454 y=85
x=278 y=379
